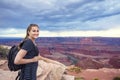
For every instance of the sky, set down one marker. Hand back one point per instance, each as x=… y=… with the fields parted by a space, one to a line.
x=61 y=18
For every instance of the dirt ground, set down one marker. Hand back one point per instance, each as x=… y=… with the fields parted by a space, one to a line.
x=88 y=74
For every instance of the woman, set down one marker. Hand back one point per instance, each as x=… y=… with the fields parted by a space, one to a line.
x=28 y=55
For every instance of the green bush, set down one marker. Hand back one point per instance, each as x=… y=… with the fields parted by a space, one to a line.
x=96 y=79
x=116 y=78
x=3 y=52
x=79 y=78
x=75 y=69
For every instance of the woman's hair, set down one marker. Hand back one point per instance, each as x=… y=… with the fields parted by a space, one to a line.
x=27 y=34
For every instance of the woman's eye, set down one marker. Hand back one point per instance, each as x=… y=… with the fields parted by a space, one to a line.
x=35 y=30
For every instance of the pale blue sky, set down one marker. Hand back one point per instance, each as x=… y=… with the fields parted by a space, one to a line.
x=61 y=17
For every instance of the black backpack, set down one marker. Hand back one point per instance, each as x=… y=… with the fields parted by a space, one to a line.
x=11 y=57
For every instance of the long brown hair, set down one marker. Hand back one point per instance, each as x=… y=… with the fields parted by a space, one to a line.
x=27 y=34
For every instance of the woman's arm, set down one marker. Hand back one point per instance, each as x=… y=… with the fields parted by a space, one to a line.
x=20 y=60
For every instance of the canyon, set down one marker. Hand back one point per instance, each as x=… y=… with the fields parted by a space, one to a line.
x=98 y=57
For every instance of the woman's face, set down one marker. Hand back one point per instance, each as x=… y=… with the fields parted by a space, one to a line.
x=34 y=32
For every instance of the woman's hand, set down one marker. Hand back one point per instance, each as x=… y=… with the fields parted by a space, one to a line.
x=36 y=58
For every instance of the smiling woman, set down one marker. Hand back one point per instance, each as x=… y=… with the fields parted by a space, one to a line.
x=28 y=54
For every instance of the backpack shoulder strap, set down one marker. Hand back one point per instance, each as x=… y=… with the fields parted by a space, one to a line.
x=18 y=76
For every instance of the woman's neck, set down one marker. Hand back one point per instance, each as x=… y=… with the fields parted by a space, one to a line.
x=33 y=40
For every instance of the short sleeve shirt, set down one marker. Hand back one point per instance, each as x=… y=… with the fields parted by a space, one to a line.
x=28 y=72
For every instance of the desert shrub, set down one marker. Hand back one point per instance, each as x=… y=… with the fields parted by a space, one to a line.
x=75 y=69
x=116 y=78
x=96 y=79
x=79 y=78
x=3 y=52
